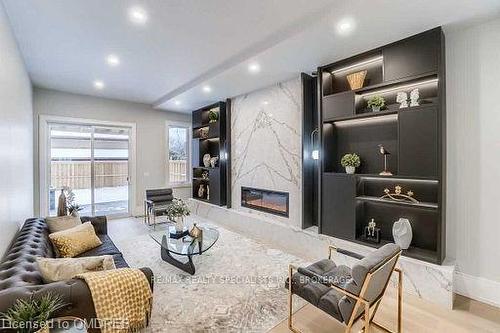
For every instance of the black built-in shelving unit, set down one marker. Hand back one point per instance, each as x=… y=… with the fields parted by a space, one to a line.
x=415 y=136
x=215 y=144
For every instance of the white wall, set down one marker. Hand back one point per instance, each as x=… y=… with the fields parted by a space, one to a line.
x=16 y=137
x=150 y=141
x=473 y=111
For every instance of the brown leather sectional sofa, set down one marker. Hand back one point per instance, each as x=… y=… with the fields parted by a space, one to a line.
x=20 y=278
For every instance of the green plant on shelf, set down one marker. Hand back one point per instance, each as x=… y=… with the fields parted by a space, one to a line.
x=213 y=116
x=376 y=103
x=350 y=160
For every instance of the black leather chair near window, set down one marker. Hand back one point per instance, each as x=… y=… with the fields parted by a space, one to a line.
x=156 y=204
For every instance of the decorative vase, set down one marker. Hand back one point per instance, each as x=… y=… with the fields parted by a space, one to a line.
x=179 y=224
x=356 y=80
x=402 y=233
x=206 y=160
x=350 y=170
x=376 y=108
x=201 y=191
x=62 y=208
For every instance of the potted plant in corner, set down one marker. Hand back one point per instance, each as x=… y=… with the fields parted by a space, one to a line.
x=350 y=162
x=176 y=212
x=376 y=103
x=32 y=315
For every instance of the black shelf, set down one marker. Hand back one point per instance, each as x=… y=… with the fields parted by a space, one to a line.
x=411 y=252
x=415 y=137
x=365 y=115
x=213 y=144
x=426 y=205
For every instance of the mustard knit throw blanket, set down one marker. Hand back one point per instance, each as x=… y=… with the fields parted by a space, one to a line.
x=122 y=299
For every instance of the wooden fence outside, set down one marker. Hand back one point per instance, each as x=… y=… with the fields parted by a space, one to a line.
x=76 y=174
x=177 y=170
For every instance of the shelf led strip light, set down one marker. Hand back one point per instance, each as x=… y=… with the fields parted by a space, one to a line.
x=359 y=64
x=400 y=88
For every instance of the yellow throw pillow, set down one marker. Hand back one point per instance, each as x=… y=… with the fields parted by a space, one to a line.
x=71 y=242
x=59 y=269
x=60 y=223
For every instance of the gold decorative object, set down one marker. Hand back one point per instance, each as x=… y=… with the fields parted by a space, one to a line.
x=195 y=231
x=398 y=196
x=356 y=80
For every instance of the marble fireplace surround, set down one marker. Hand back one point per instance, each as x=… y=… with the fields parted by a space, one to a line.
x=433 y=283
x=266 y=145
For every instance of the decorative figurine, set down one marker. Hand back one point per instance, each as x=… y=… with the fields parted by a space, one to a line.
x=213 y=161
x=402 y=99
x=213 y=115
x=204 y=174
x=402 y=233
x=414 y=97
x=195 y=231
x=204 y=132
x=372 y=233
x=206 y=160
x=208 y=192
x=201 y=191
x=384 y=152
x=398 y=196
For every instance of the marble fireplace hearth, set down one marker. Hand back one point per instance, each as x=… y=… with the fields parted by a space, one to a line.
x=431 y=282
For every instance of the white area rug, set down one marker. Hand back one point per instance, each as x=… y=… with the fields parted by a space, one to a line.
x=238 y=286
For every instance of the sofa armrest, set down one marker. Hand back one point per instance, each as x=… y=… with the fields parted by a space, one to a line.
x=100 y=223
x=149 y=276
x=74 y=293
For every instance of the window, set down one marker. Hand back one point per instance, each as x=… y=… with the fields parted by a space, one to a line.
x=178 y=154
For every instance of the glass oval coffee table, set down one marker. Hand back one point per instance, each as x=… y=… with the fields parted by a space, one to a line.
x=184 y=246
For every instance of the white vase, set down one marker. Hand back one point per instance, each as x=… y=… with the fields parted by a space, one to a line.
x=179 y=224
x=402 y=233
x=350 y=170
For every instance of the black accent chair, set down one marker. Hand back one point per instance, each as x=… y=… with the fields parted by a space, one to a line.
x=347 y=294
x=156 y=204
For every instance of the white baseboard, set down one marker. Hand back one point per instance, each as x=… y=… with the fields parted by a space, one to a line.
x=477 y=288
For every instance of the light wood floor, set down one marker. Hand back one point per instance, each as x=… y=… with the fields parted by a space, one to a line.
x=418 y=316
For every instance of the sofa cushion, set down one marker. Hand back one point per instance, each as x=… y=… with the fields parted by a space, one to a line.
x=58 y=269
x=107 y=247
x=72 y=242
x=60 y=223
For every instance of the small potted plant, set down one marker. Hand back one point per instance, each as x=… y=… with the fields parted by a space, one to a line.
x=350 y=162
x=376 y=103
x=213 y=116
x=32 y=315
x=176 y=212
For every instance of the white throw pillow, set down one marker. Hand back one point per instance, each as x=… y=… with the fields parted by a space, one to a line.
x=59 y=269
x=60 y=223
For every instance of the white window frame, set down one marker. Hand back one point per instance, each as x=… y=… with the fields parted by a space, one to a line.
x=44 y=122
x=188 y=127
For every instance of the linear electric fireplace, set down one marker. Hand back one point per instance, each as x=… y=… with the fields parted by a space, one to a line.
x=273 y=202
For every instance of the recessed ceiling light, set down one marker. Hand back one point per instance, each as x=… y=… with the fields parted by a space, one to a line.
x=113 y=60
x=98 y=84
x=137 y=15
x=207 y=89
x=254 y=67
x=265 y=103
x=177 y=102
x=345 y=26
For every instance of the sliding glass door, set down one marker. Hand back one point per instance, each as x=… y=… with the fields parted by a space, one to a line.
x=93 y=163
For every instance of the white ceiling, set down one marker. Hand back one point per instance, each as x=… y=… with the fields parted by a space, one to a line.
x=186 y=44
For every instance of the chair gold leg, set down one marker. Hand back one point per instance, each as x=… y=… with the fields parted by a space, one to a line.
x=367 y=317
x=400 y=301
